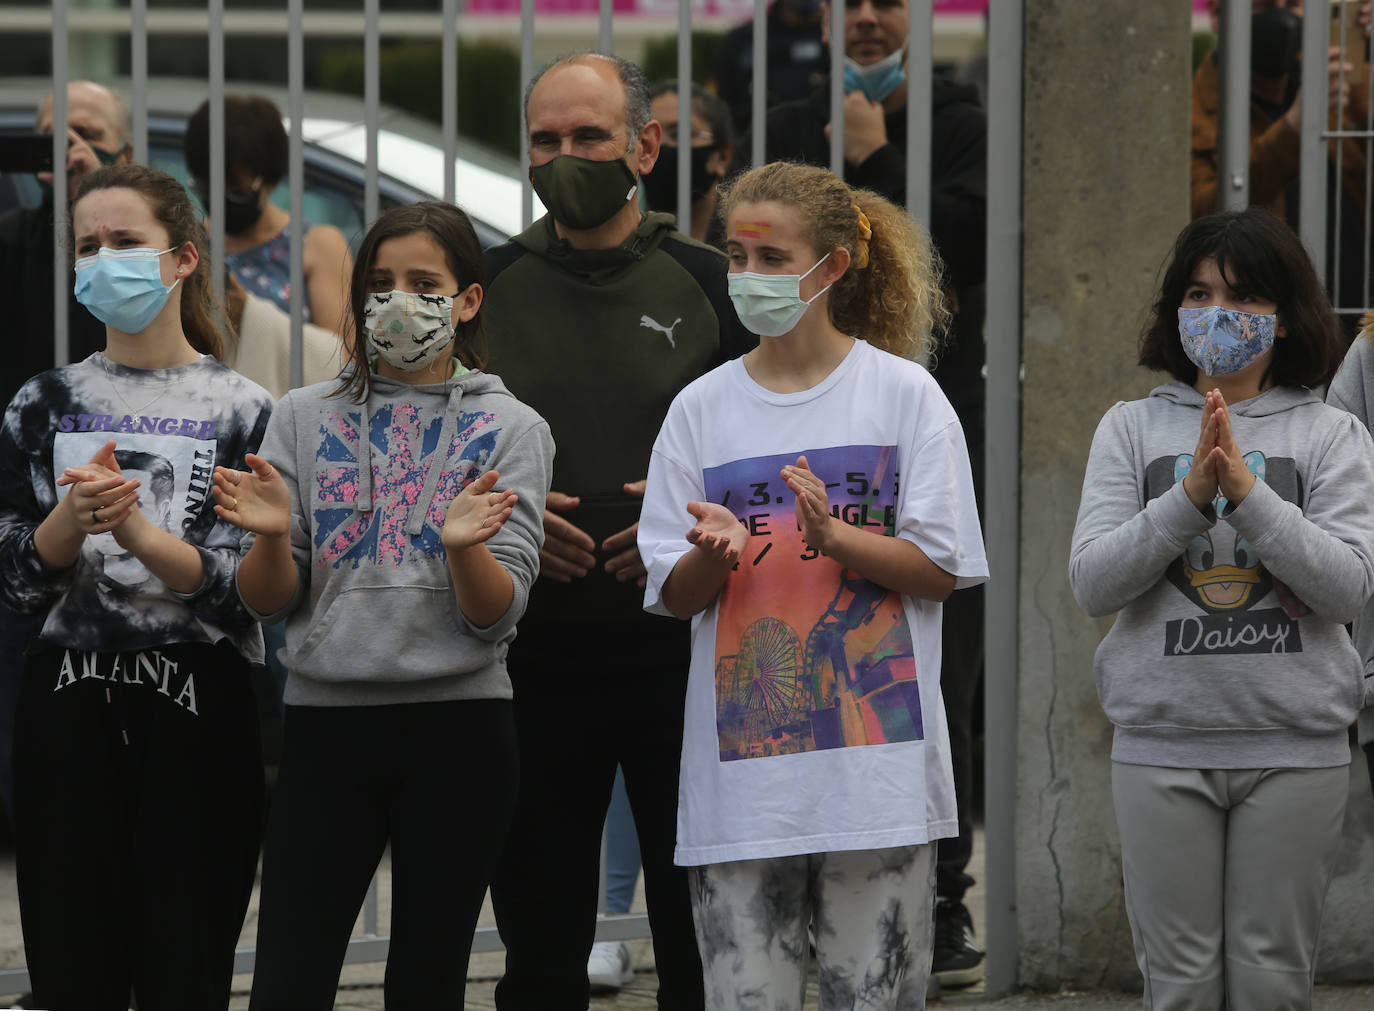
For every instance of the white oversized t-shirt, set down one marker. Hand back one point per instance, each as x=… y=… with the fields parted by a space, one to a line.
x=814 y=721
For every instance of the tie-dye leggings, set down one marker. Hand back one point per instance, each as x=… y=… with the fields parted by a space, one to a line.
x=872 y=911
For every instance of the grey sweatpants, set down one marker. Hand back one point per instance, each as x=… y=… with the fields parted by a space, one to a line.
x=873 y=913
x=1226 y=874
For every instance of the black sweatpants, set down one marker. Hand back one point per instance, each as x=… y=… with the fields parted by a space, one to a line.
x=139 y=800
x=437 y=780
x=961 y=673
x=585 y=700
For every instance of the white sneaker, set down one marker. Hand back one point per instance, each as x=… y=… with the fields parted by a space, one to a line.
x=610 y=966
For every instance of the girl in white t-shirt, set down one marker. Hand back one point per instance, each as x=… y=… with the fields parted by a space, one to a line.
x=808 y=507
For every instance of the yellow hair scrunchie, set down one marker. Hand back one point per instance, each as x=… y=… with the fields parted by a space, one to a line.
x=865 y=233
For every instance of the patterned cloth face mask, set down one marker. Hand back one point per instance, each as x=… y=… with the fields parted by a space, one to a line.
x=1221 y=341
x=123 y=287
x=408 y=330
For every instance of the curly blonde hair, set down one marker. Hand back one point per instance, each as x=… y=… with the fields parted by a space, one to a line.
x=891 y=295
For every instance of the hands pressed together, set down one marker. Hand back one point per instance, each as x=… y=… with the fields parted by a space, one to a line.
x=568 y=549
x=1218 y=463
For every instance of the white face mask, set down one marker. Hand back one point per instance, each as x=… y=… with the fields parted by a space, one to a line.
x=770 y=305
x=409 y=331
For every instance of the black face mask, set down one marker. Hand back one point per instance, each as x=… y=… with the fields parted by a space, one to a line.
x=241 y=210
x=660 y=185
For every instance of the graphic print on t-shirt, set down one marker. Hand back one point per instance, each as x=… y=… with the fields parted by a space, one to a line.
x=809 y=655
x=1224 y=577
x=402 y=449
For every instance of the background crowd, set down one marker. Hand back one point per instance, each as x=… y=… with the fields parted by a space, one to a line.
x=595 y=259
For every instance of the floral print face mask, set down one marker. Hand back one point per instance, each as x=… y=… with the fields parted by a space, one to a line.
x=1221 y=341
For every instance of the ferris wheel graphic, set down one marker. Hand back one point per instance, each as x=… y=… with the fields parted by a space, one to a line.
x=770 y=661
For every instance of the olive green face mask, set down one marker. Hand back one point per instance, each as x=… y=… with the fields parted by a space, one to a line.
x=581 y=193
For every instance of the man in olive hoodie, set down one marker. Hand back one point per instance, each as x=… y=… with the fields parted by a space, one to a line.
x=597 y=316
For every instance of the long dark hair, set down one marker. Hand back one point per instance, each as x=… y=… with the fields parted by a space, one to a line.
x=1256 y=254
x=172 y=207
x=450 y=228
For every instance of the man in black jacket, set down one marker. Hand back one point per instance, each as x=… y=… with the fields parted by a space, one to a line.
x=597 y=316
x=97 y=134
x=875 y=145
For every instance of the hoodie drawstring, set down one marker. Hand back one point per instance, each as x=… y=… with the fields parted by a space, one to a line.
x=365 y=460
x=419 y=511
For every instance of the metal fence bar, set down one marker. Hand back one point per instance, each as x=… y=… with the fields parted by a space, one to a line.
x=758 y=98
x=684 y=118
x=836 y=88
x=1335 y=122
x=1311 y=145
x=138 y=69
x=1233 y=191
x=217 y=161
x=526 y=73
x=1368 y=174
x=371 y=90
x=1003 y=486
x=449 y=47
x=61 y=342
x=295 y=100
x=919 y=91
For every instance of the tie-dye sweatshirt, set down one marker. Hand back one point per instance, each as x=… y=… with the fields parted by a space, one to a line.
x=375 y=620
x=171 y=428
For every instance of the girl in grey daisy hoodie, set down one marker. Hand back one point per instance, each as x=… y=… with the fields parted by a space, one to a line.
x=379 y=534
x=1229 y=520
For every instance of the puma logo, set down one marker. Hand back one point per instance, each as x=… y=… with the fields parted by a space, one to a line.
x=667 y=331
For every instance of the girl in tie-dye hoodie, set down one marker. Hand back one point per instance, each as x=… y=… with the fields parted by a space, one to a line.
x=138 y=770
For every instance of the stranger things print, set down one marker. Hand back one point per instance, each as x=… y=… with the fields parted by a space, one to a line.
x=175 y=474
x=810 y=656
x=1223 y=577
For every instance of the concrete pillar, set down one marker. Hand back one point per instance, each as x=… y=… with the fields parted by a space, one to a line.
x=1106 y=192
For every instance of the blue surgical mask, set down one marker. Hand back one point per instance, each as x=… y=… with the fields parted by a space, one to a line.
x=1221 y=341
x=877 y=80
x=123 y=287
x=770 y=305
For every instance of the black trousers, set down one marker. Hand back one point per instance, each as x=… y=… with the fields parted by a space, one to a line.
x=585 y=700
x=961 y=673
x=139 y=789
x=437 y=781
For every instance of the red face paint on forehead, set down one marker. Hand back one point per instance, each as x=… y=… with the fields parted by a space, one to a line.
x=752 y=229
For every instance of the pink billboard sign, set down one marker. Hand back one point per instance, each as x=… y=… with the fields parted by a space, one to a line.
x=737 y=9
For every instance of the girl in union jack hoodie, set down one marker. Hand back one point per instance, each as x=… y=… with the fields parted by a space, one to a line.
x=379 y=535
